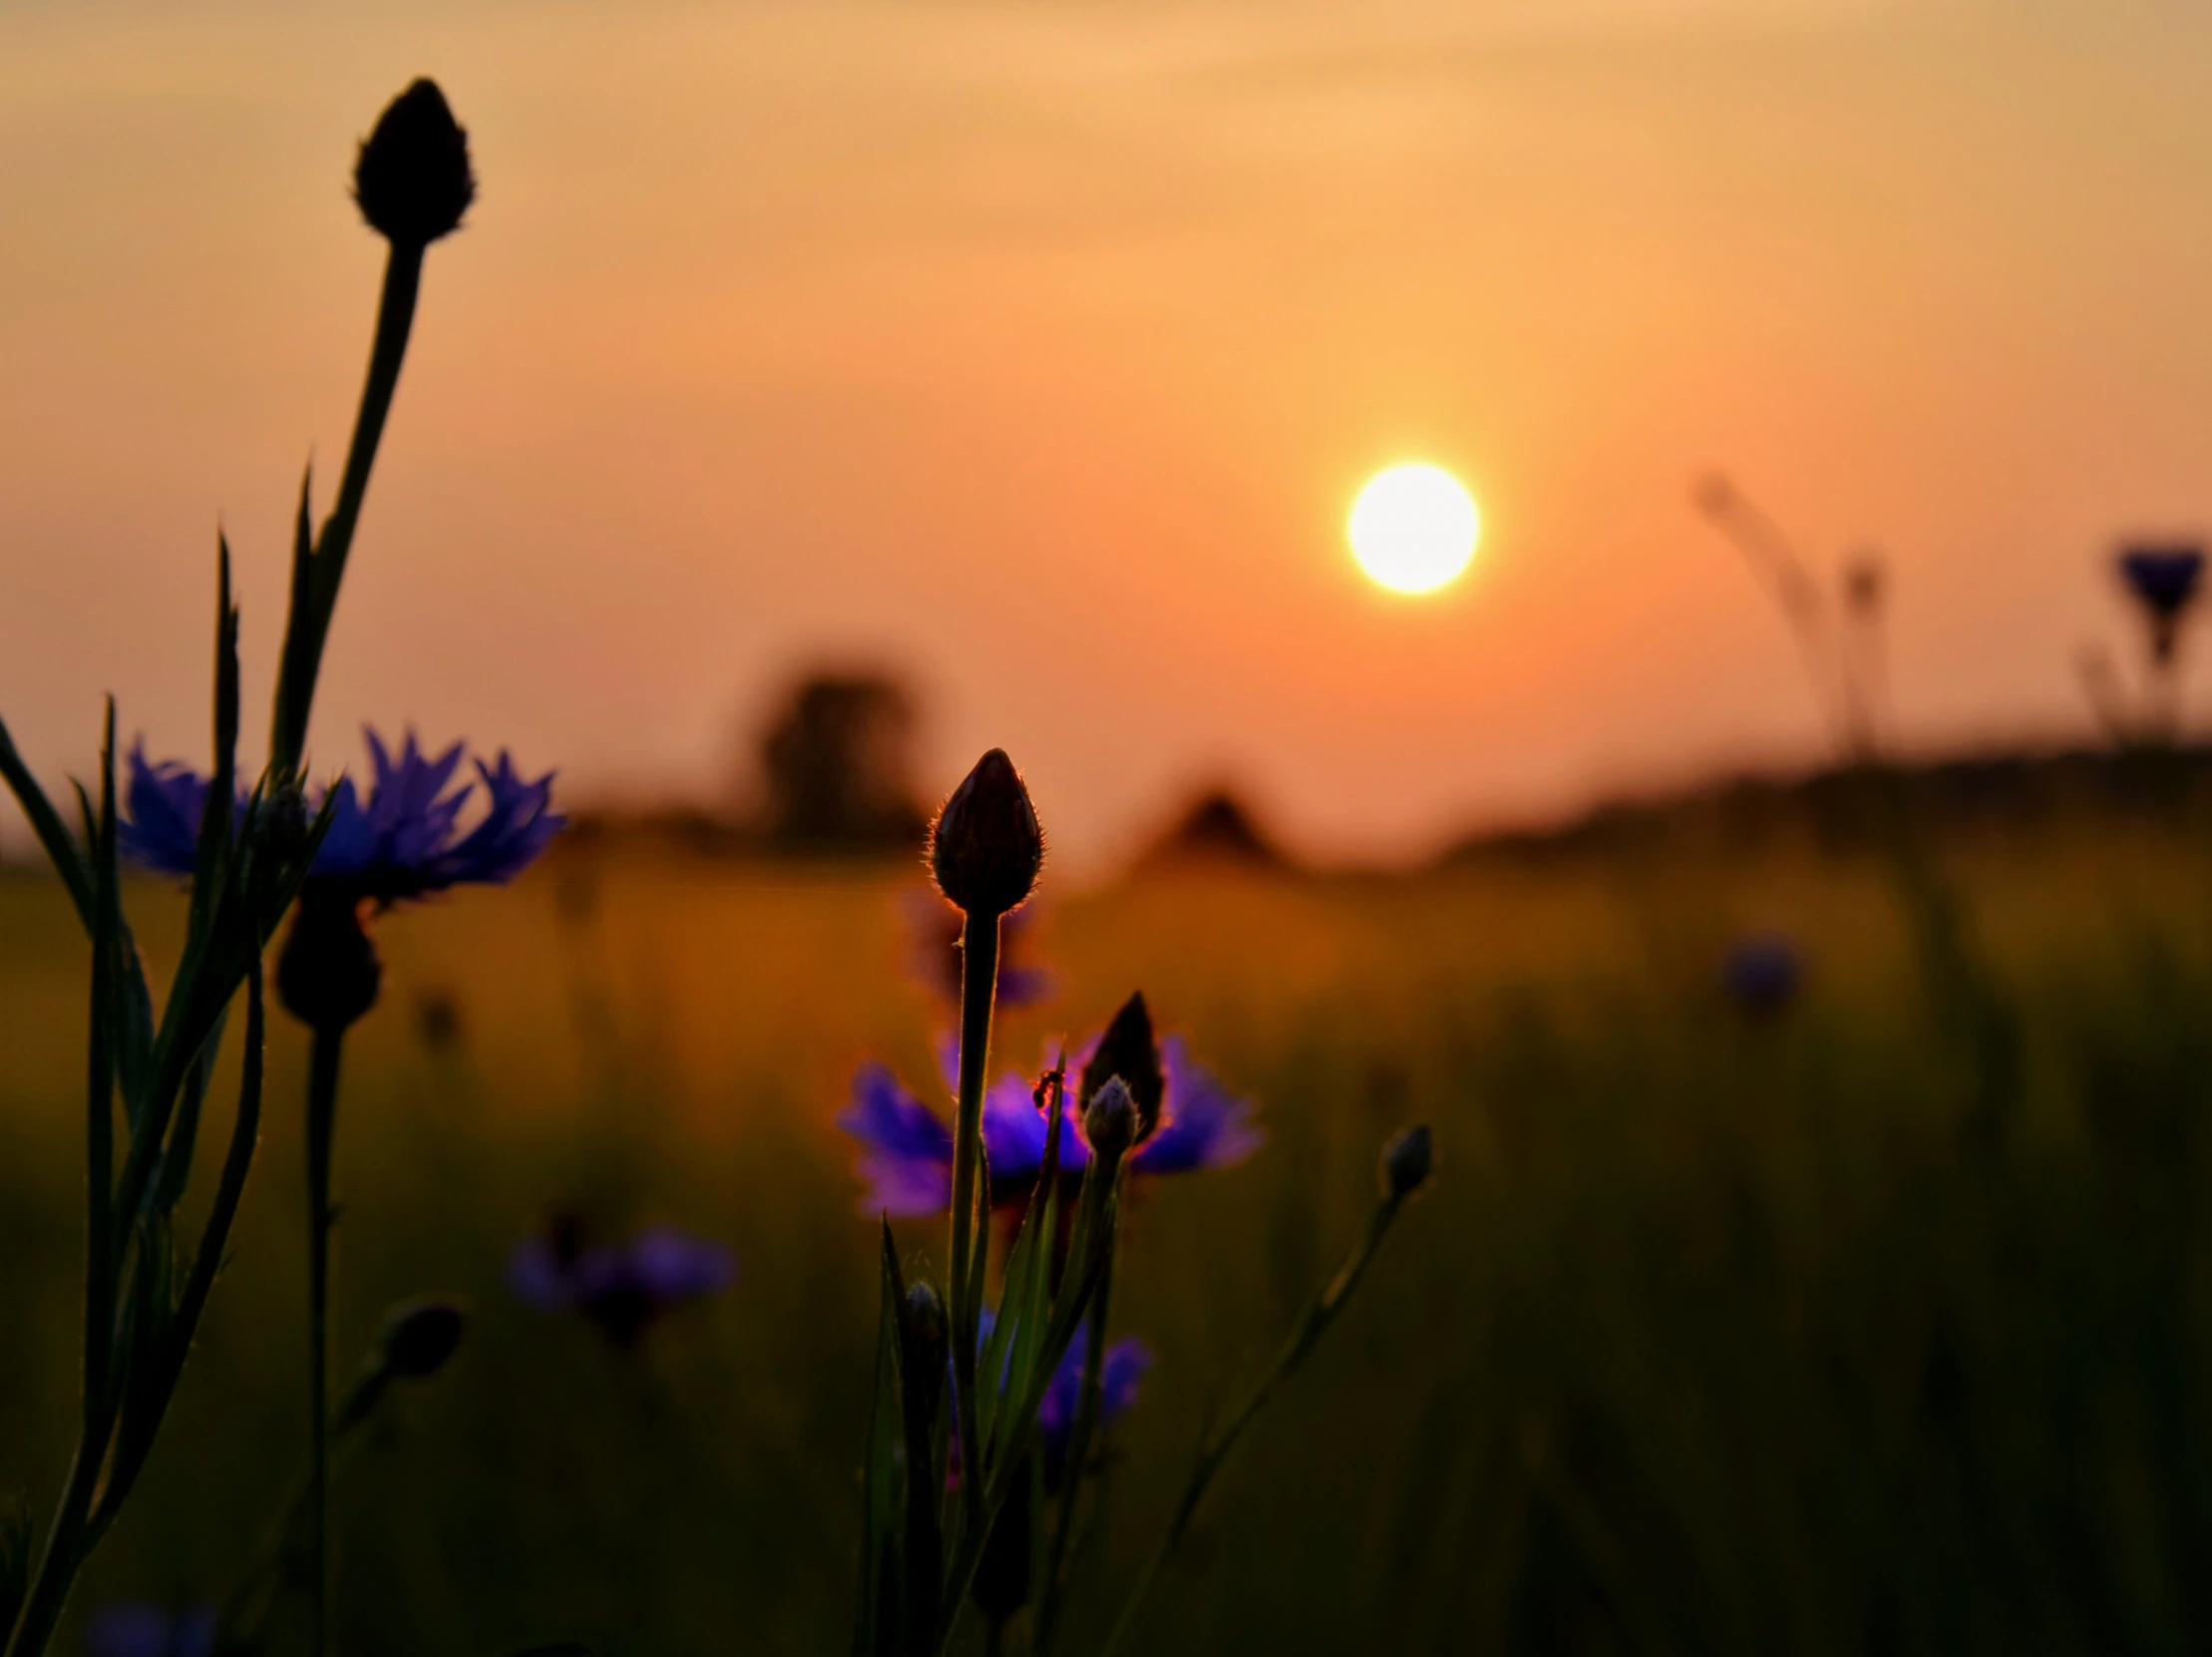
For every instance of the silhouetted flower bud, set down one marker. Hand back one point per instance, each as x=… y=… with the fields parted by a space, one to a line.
x=413 y=181
x=329 y=974
x=1110 y=1119
x=288 y=821
x=925 y=1319
x=986 y=848
x=1128 y=1051
x=1407 y=1162
x=420 y=1337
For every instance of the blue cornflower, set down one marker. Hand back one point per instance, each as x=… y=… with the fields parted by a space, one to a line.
x=2163 y=578
x=620 y=1289
x=404 y=841
x=906 y=1148
x=133 y=1630
x=1762 y=973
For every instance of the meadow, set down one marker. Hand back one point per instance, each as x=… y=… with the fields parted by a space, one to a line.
x=1714 y=1333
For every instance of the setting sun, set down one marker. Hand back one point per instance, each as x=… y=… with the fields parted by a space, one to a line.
x=1413 y=528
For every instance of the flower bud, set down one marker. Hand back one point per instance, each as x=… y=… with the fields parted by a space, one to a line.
x=924 y=1319
x=1128 y=1051
x=329 y=974
x=286 y=820
x=420 y=1337
x=986 y=848
x=1407 y=1162
x=1110 y=1120
x=413 y=181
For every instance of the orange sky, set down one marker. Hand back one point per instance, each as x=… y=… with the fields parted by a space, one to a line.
x=1037 y=346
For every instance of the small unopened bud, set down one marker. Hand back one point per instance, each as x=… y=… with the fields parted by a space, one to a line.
x=413 y=181
x=286 y=821
x=329 y=974
x=1128 y=1051
x=926 y=1319
x=1110 y=1119
x=420 y=1337
x=1407 y=1162
x=986 y=848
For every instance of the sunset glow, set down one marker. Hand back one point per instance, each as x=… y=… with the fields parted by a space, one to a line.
x=992 y=343
x=1414 y=529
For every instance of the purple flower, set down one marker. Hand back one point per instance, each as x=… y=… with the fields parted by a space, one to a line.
x=906 y=1148
x=934 y=928
x=620 y=1289
x=132 y=1630
x=1119 y=1376
x=404 y=841
x=2163 y=578
x=1762 y=973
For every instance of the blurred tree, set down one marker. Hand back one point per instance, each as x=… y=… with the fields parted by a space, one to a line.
x=835 y=764
x=1216 y=827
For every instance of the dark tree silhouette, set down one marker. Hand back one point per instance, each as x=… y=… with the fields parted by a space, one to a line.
x=1218 y=827
x=835 y=762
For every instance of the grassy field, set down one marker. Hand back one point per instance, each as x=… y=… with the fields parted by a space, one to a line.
x=1714 y=1335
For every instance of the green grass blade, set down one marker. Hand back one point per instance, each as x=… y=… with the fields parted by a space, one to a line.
x=875 y=1610
x=61 y=849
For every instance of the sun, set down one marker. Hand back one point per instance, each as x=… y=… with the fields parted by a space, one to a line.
x=1413 y=528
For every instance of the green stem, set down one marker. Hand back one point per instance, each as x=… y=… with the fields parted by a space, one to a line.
x=322 y=1112
x=1087 y=1412
x=1215 y=1450
x=315 y=598
x=69 y=1538
x=63 y=1553
x=978 y=988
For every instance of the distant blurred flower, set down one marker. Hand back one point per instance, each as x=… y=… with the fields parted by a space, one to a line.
x=403 y=843
x=2164 y=580
x=934 y=956
x=1119 y=1376
x=129 y=1630
x=622 y=1289
x=906 y=1148
x=1762 y=973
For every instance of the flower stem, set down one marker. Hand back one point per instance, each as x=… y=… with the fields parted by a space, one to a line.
x=1087 y=1412
x=318 y=572
x=63 y=1553
x=978 y=988
x=1216 y=1445
x=322 y=1112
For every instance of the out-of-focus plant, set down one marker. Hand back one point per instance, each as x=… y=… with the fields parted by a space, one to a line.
x=1844 y=654
x=2164 y=579
x=417 y=1340
x=1761 y=973
x=620 y=1289
x=984 y=1416
x=251 y=851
